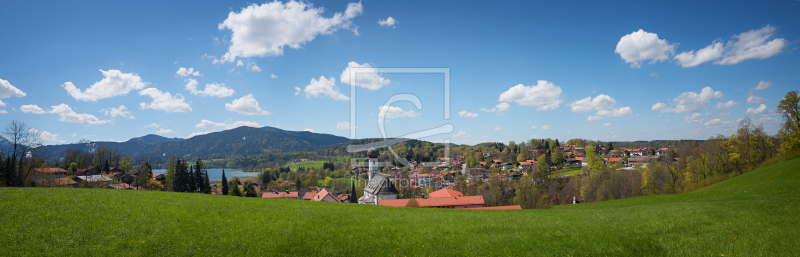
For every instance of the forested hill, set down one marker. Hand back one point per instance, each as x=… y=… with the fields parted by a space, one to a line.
x=242 y=141
x=130 y=147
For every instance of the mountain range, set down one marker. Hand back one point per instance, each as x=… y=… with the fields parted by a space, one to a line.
x=237 y=142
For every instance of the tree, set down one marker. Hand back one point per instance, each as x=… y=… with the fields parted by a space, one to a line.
x=191 y=180
x=297 y=183
x=235 y=185
x=789 y=108
x=201 y=177
x=23 y=141
x=328 y=181
x=126 y=164
x=557 y=157
x=595 y=164
x=249 y=190
x=412 y=203
x=171 y=165
x=145 y=174
x=224 y=183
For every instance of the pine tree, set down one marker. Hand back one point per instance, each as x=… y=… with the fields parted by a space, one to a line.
x=198 y=176
x=224 y=183
x=191 y=181
x=353 y=193
x=250 y=190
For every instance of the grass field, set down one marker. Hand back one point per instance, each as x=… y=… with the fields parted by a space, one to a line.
x=755 y=214
x=305 y=164
x=566 y=172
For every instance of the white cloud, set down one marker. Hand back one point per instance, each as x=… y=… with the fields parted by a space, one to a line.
x=752 y=99
x=119 y=111
x=707 y=54
x=32 y=108
x=547 y=127
x=74 y=135
x=593 y=118
x=309 y=130
x=393 y=112
x=343 y=125
x=213 y=89
x=461 y=134
x=242 y=124
x=7 y=90
x=606 y=124
x=154 y=125
x=366 y=76
x=641 y=46
x=603 y=104
x=756 y=111
x=164 y=101
x=246 y=105
x=67 y=115
x=47 y=136
x=497 y=128
x=322 y=87
x=273 y=76
x=545 y=95
x=199 y=134
x=619 y=112
x=534 y=127
x=467 y=114
x=253 y=67
x=209 y=124
x=727 y=105
x=697 y=118
x=658 y=106
x=713 y=122
x=690 y=101
x=501 y=107
x=264 y=30
x=114 y=84
x=752 y=45
x=239 y=63
x=762 y=85
x=388 y=22
x=165 y=131
x=183 y=72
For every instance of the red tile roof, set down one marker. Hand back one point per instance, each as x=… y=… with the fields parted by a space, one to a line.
x=54 y=182
x=290 y=195
x=437 y=201
x=446 y=193
x=310 y=195
x=394 y=202
x=51 y=170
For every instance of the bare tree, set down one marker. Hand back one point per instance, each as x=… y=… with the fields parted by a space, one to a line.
x=23 y=141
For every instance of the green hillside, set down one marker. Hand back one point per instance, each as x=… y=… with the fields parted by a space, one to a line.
x=755 y=214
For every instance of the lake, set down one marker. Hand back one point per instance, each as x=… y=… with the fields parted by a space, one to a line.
x=216 y=174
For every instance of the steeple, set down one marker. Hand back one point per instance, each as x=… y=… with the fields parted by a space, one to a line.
x=373 y=162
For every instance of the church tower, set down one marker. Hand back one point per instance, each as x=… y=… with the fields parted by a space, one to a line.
x=380 y=186
x=373 y=162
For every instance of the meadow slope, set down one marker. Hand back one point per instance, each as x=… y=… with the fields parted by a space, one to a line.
x=755 y=214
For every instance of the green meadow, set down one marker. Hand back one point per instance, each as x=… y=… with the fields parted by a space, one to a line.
x=755 y=214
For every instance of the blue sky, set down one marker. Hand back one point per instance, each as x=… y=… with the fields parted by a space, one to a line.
x=666 y=70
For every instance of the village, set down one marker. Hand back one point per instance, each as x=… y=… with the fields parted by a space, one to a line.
x=426 y=185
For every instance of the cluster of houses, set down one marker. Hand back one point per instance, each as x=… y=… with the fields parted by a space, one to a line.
x=58 y=177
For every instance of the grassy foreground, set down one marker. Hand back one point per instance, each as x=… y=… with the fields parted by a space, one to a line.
x=755 y=214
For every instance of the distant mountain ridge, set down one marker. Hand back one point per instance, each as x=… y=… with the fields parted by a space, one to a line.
x=241 y=141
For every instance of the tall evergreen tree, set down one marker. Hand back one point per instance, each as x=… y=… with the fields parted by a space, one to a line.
x=206 y=184
x=191 y=183
x=168 y=183
x=353 y=193
x=249 y=190
x=198 y=176
x=224 y=183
